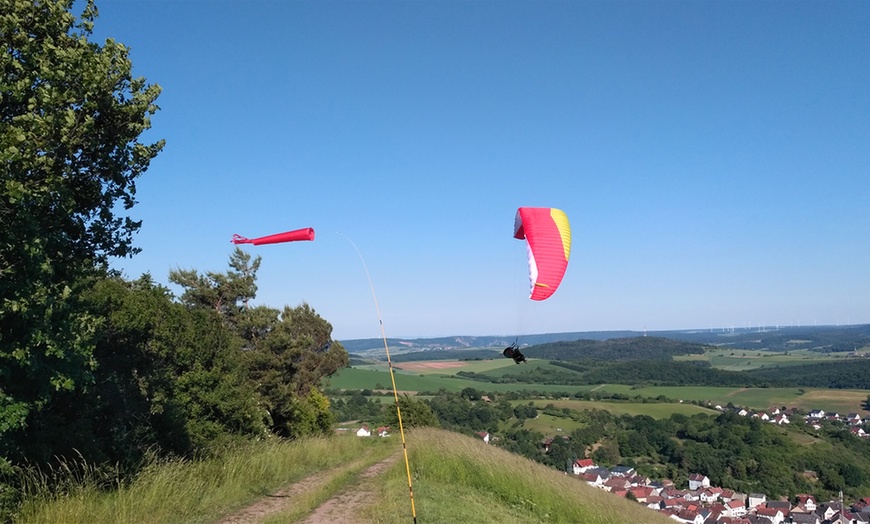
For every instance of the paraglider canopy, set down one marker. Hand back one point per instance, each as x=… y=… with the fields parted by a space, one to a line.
x=306 y=233
x=548 y=242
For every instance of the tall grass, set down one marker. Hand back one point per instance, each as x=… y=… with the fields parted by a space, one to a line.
x=455 y=479
x=460 y=479
x=180 y=491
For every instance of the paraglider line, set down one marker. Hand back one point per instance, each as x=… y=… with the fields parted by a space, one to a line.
x=392 y=376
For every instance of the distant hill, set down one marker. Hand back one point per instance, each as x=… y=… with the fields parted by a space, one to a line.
x=788 y=338
x=362 y=345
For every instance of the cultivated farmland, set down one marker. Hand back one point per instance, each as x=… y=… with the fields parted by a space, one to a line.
x=412 y=377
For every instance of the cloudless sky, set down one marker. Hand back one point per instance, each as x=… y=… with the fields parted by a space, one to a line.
x=712 y=157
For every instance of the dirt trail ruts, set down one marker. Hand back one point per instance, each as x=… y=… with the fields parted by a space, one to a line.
x=342 y=508
x=331 y=511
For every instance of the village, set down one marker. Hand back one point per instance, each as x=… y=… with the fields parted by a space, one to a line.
x=703 y=503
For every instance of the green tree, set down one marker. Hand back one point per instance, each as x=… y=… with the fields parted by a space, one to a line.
x=607 y=454
x=169 y=377
x=523 y=442
x=561 y=454
x=288 y=365
x=227 y=293
x=70 y=121
x=287 y=353
x=470 y=393
x=415 y=413
x=523 y=412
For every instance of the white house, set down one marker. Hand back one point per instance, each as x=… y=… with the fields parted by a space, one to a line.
x=807 y=502
x=581 y=466
x=827 y=511
x=710 y=495
x=698 y=481
x=817 y=413
x=775 y=515
x=484 y=435
x=735 y=508
x=364 y=432
x=853 y=418
x=622 y=471
x=757 y=499
x=780 y=419
x=693 y=496
x=654 y=502
x=593 y=479
x=690 y=517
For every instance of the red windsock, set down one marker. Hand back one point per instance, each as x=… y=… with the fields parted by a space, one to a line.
x=296 y=235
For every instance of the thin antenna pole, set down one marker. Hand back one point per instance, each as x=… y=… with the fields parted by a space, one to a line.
x=392 y=378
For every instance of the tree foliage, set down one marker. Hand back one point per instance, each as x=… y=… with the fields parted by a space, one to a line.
x=70 y=121
x=415 y=413
x=227 y=293
x=286 y=353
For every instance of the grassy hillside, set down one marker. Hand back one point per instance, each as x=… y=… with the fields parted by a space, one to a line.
x=460 y=479
x=455 y=479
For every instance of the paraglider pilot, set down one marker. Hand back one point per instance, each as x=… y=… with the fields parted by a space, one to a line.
x=513 y=351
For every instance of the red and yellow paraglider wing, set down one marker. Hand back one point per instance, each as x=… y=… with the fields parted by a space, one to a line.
x=548 y=237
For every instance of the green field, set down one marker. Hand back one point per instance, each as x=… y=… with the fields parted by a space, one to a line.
x=840 y=400
x=555 y=425
x=501 y=365
x=550 y=425
x=654 y=410
x=354 y=378
x=745 y=360
x=843 y=401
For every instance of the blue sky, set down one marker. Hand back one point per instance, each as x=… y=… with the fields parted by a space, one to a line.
x=712 y=157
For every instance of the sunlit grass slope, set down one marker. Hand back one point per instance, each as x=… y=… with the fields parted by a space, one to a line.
x=202 y=491
x=456 y=479
x=461 y=479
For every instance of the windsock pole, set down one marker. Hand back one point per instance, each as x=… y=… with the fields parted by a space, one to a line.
x=392 y=379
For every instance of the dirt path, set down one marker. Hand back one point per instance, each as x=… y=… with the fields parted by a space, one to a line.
x=342 y=508
x=336 y=510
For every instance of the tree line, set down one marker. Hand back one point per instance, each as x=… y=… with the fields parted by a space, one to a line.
x=631 y=348
x=850 y=374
